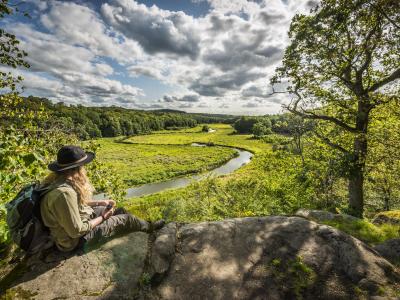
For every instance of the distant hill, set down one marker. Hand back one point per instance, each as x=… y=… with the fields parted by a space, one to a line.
x=166 y=110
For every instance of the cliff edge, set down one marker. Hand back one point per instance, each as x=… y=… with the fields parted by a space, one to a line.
x=273 y=257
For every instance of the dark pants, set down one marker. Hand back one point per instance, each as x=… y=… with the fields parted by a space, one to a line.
x=121 y=222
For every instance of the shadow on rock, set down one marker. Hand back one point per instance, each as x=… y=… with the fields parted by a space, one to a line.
x=272 y=258
x=111 y=271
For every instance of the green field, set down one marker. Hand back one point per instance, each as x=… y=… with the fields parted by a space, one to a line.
x=140 y=163
x=258 y=188
x=222 y=136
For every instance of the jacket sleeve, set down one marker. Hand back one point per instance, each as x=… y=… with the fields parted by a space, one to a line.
x=67 y=213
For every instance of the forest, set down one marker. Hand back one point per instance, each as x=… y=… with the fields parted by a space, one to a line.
x=335 y=148
x=95 y=122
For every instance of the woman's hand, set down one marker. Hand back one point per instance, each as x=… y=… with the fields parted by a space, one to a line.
x=112 y=202
x=102 y=203
x=107 y=213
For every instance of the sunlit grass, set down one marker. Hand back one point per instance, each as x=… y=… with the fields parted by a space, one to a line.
x=366 y=231
x=138 y=163
x=222 y=136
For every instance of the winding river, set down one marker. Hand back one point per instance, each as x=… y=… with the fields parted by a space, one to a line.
x=233 y=164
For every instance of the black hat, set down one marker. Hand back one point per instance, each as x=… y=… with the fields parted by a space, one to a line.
x=69 y=157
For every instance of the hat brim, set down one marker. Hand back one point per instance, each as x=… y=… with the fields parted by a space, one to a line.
x=55 y=167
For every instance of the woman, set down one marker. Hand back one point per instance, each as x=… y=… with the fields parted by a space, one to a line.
x=67 y=208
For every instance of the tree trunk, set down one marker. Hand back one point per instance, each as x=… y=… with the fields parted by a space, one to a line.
x=356 y=192
x=360 y=146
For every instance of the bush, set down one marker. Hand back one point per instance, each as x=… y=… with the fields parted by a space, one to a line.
x=260 y=129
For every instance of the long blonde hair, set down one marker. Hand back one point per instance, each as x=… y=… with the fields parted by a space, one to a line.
x=77 y=178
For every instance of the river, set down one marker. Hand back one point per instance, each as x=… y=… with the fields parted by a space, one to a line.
x=232 y=165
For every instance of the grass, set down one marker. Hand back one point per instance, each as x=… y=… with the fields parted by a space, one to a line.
x=392 y=214
x=222 y=136
x=366 y=231
x=140 y=163
x=262 y=187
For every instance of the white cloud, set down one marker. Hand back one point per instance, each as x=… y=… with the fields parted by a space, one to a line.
x=156 y=30
x=78 y=24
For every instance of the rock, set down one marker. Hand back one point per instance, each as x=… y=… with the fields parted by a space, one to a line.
x=387 y=217
x=321 y=215
x=272 y=257
x=112 y=272
x=163 y=249
x=390 y=250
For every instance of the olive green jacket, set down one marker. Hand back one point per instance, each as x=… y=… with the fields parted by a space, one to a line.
x=64 y=216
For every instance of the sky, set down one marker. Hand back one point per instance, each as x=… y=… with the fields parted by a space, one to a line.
x=211 y=56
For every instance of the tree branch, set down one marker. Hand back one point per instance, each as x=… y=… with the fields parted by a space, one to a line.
x=386 y=16
x=310 y=115
x=330 y=143
x=395 y=75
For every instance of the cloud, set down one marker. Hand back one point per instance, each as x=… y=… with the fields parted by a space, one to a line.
x=156 y=30
x=203 y=105
x=190 y=98
x=148 y=71
x=78 y=24
x=231 y=6
x=185 y=105
x=185 y=98
x=255 y=91
x=169 y=99
x=218 y=84
x=251 y=105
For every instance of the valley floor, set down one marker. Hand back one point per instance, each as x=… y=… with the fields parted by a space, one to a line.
x=268 y=185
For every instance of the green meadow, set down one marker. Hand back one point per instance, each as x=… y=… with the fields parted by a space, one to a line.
x=142 y=163
x=254 y=189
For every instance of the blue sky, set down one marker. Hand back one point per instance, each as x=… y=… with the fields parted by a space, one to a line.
x=213 y=56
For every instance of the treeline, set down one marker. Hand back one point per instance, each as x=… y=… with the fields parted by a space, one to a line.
x=96 y=122
x=286 y=124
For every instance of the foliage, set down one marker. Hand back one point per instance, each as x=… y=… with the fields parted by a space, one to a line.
x=260 y=129
x=10 y=54
x=104 y=178
x=95 y=122
x=366 y=231
x=245 y=124
x=293 y=273
x=25 y=150
x=393 y=214
x=342 y=63
x=383 y=165
x=205 y=128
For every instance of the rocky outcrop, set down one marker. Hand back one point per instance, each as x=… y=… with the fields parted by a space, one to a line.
x=250 y=258
x=112 y=270
x=321 y=215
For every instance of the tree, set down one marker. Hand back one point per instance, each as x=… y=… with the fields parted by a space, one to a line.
x=260 y=129
x=245 y=124
x=343 y=62
x=10 y=54
x=205 y=128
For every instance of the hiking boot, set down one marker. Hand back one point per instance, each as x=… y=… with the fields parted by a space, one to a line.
x=154 y=226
